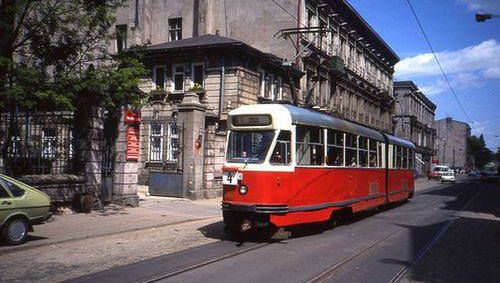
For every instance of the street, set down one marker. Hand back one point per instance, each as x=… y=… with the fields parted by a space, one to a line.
x=438 y=236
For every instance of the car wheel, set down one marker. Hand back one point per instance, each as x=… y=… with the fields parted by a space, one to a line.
x=15 y=232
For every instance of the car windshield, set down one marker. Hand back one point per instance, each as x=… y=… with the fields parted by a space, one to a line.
x=249 y=146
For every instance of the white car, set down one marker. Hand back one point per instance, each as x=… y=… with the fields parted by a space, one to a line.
x=448 y=176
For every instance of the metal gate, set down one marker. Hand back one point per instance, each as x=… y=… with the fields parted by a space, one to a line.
x=165 y=157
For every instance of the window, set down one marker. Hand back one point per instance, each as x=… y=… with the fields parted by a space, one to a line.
x=398 y=156
x=380 y=151
x=159 y=77
x=49 y=143
x=404 y=155
x=372 y=153
x=279 y=94
x=121 y=37
x=351 y=150
x=14 y=189
x=282 y=150
x=3 y=193
x=173 y=142
x=335 y=148
x=310 y=149
x=363 y=152
x=175 y=29
x=410 y=159
x=249 y=146
x=155 y=142
x=178 y=78
x=262 y=83
x=198 y=74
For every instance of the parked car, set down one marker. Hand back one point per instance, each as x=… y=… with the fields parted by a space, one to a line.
x=21 y=207
x=437 y=172
x=448 y=176
x=488 y=177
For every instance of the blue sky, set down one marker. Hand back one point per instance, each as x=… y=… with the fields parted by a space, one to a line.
x=468 y=51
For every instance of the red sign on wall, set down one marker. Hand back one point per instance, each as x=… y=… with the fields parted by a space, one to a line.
x=133 y=143
x=132 y=117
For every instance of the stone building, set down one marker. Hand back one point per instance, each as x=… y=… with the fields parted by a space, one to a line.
x=451 y=143
x=318 y=54
x=413 y=120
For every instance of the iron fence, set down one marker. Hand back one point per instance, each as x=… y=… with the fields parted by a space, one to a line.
x=37 y=143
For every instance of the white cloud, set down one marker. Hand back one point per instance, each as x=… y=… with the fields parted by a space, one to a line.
x=473 y=58
x=466 y=68
x=483 y=5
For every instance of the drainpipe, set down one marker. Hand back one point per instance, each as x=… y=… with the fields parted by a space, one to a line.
x=222 y=85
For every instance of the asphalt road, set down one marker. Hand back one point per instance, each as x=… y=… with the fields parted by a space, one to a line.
x=390 y=245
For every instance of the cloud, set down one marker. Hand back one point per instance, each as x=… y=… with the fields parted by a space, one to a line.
x=466 y=68
x=482 y=5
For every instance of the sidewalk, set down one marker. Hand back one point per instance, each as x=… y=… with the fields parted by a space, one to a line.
x=152 y=212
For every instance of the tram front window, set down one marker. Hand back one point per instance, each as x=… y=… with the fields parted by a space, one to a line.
x=249 y=147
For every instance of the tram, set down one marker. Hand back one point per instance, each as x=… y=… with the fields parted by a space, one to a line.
x=287 y=165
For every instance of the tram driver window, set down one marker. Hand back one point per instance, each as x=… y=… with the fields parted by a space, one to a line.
x=335 y=148
x=351 y=150
x=309 y=146
x=282 y=150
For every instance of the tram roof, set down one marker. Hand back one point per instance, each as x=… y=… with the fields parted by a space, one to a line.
x=309 y=117
x=400 y=141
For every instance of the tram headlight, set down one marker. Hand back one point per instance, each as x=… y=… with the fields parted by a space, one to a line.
x=243 y=189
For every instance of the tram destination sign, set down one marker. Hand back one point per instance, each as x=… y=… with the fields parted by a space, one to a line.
x=252 y=120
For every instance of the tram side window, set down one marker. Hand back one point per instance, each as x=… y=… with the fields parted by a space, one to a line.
x=282 y=150
x=310 y=146
x=363 y=152
x=399 y=153
x=380 y=155
x=410 y=159
x=405 y=158
x=372 y=152
x=351 y=150
x=335 y=148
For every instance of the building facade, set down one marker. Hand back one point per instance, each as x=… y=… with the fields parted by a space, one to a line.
x=317 y=54
x=414 y=121
x=451 y=143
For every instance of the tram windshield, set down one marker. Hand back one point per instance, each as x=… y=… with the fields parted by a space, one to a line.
x=249 y=146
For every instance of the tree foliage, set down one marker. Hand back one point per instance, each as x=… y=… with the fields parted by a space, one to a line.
x=476 y=147
x=55 y=55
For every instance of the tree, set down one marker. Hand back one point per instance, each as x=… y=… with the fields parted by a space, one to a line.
x=497 y=155
x=476 y=147
x=55 y=54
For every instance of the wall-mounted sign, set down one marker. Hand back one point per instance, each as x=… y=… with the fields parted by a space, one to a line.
x=133 y=143
x=132 y=116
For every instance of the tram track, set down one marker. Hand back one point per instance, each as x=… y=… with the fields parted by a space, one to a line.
x=205 y=263
x=330 y=272
x=322 y=277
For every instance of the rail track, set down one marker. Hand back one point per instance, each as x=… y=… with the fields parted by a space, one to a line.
x=329 y=273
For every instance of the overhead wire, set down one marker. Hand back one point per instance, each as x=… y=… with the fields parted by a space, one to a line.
x=439 y=63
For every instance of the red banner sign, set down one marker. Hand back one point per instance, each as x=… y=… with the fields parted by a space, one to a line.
x=133 y=143
x=132 y=117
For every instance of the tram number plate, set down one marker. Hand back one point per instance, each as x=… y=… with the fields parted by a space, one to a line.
x=230 y=178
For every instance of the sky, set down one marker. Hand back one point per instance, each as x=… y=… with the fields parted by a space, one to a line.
x=469 y=53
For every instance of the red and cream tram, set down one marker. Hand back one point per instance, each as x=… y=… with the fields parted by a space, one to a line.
x=287 y=165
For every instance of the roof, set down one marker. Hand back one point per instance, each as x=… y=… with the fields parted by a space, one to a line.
x=199 y=41
x=216 y=41
x=399 y=141
x=303 y=116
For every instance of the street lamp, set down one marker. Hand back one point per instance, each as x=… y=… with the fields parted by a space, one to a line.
x=482 y=16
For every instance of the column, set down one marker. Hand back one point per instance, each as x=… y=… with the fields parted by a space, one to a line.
x=192 y=116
